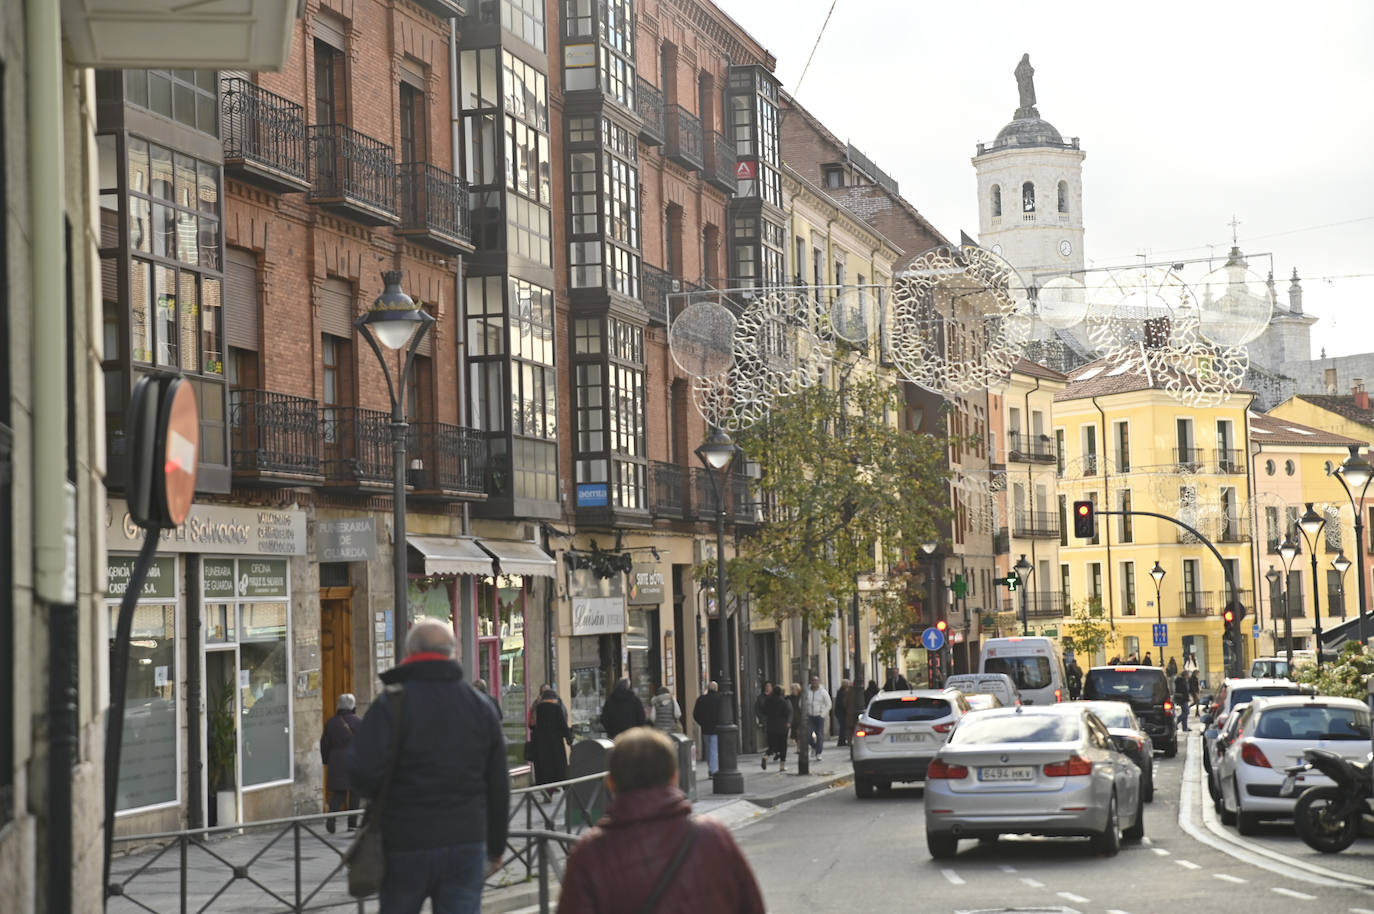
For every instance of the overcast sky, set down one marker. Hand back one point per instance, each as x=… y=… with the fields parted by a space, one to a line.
x=1189 y=113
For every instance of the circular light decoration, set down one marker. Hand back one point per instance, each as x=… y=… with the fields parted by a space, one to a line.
x=702 y=339
x=1062 y=302
x=1235 y=304
x=1200 y=375
x=960 y=319
x=1140 y=310
x=854 y=313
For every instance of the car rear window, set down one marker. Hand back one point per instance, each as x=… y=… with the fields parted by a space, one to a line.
x=1240 y=695
x=1139 y=685
x=1114 y=714
x=1313 y=722
x=1016 y=728
x=1026 y=672
x=909 y=709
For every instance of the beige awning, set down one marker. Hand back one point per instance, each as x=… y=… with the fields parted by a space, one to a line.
x=519 y=558
x=451 y=555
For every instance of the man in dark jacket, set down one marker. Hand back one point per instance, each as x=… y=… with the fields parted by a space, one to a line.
x=334 y=743
x=444 y=824
x=622 y=710
x=706 y=712
x=843 y=725
x=615 y=868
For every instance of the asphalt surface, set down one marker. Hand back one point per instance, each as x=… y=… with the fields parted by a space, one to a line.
x=836 y=853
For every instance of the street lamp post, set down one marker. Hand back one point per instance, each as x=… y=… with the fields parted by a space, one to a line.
x=1023 y=571
x=1157 y=573
x=1354 y=474
x=1311 y=524
x=393 y=321
x=1273 y=576
x=716 y=454
x=932 y=599
x=1341 y=565
x=1288 y=551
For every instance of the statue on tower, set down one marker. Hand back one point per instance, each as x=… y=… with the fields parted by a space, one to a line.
x=1025 y=84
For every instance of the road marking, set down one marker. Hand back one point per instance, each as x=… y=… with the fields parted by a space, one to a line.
x=1161 y=851
x=953 y=877
x=1006 y=868
x=1117 y=911
x=1361 y=911
x=1070 y=896
x=1032 y=883
x=1293 y=893
x=1229 y=878
x=1188 y=864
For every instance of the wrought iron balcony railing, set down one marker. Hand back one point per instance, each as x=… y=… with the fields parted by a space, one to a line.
x=720 y=167
x=274 y=435
x=1230 y=461
x=446 y=459
x=434 y=206
x=1190 y=457
x=667 y=490
x=1045 y=605
x=264 y=135
x=1196 y=604
x=1027 y=448
x=649 y=104
x=743 y=509
x=684 y=138
x=1036 y=524
x=353 y=173
x=357 y=445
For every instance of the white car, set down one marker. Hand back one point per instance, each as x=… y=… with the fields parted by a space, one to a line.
x=1226 y=734
x=1270 y=737
x=898 y=734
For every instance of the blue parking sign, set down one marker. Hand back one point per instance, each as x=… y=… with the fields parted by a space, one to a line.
x=1161 y=633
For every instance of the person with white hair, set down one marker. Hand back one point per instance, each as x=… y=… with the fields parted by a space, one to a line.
x=334 y=745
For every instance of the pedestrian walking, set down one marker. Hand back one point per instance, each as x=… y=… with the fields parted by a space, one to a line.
x=1190 y=663
x=1172 y=669
x=901 y=685
x=816 y=704
x=481 y=686
x=1147 y=661
x=1194 y=688
x=447 y=804
x=334 y=743
x=667 y=712
x=1182 y=698
x=648 y=853
x=706 y=712
x=798 y=718
x=869 y=691
x=548 y=737
x=1075 y=674
x=777 y=712
x=622 y=710
x=890 y=683
x=844 y=725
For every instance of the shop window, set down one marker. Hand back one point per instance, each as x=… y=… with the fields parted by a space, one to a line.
x=501 y=654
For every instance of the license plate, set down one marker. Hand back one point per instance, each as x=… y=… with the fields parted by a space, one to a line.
x=1006 y=773
x=907 y=737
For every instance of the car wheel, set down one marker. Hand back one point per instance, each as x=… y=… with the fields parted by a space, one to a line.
x=1147 y=789
x=942 y=847
x=1247 y=823
x=1108 y=841
x=1171 y=750
x=1227 y=817
x=1137 y=830
x=1206 y=761
x=863 y=788
x=1212 y=790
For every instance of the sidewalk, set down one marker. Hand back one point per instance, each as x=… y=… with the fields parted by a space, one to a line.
x=764 y=790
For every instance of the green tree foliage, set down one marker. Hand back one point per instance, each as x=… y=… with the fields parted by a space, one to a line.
x=1089 y=631
x=1346 y=677
x=838 y=478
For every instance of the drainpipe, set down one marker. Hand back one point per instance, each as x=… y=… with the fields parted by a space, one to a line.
x=455 y=130
x=1255 y=531
x=1107 y=505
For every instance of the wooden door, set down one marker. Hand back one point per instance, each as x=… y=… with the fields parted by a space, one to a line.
x=336 y=646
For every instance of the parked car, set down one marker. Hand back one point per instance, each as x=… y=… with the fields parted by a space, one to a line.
x=1277 y=667
x=982 y=701
x=1130 y=737
x=1041 y=770
x=898 y=734
x=1273 y=732
x=1033 y=664
x=1146 y=689
x=1226 y=734
x=998 y=684
x=1234 y=692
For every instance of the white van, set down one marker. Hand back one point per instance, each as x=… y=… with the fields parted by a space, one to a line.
x=999 y=684
x=1035 y=666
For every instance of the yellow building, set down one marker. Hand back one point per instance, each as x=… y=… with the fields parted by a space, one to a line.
x=1126 y=444
x=1292 y=466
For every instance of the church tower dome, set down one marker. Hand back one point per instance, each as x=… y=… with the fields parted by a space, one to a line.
x=1030 y=191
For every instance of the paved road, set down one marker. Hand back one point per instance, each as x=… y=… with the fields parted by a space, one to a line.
x=836 y=853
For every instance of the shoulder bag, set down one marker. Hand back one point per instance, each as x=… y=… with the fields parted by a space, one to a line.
x=666 y=878
x=366 y=857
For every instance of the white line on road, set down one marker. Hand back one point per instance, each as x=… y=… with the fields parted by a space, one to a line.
x=1188 y=864
x=1117 y=911
x=953 y=877
x=1161 y=851
x=1006 y=868
x=1032 y=883
x=1293 y=893
x=1361 y=911
x=1229 y=878
x=1070 y=896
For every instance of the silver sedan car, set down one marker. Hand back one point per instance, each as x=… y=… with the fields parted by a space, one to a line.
x=1043 y=770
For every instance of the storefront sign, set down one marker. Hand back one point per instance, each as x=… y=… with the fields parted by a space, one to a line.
x=262 y=578
x=646 y=586
x=215 y=528
x=351 y=539
x=218 y=575
x=159 y=585
x=579 y=55
x=592 y=495
x=598 y=615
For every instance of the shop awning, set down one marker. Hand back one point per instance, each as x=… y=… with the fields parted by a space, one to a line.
x=519 y=558
x=451 y=555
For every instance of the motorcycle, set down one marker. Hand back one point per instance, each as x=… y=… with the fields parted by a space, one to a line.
x=1328 y=819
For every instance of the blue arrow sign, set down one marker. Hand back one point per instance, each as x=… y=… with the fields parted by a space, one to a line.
x=933 y=639
x=1254 y=630
x=1161 y=633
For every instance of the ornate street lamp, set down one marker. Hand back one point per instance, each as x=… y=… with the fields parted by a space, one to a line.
x=1288 y=551
x=1311 y=524
x=1341 y=565
x=1354 y=474
x=1273 y=576
x=393 y=321
x=716 y=454
x=1157 y=573
x=1023 y=571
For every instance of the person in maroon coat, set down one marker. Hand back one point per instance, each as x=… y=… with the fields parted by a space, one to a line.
x=334 y=743
x=616 y=867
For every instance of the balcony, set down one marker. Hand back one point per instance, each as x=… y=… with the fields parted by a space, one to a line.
x=684 y=140
x=434 y=207
x=1230 y=462
x=354 y=175
x=667 y=490
x=264 y=137
x=274 y=438
x=720 y=165
x=649 y=104
x=357 y=447
x=703 y=495
x=1001 y=542
x=446 y=461
x=252 y=35
x=1196 y=604
x=1188 y=458
x=743 y=509
x=1231 y=531
x=1045 y=605
x=1022 y=448
x=654 y=287
x=1036 y=524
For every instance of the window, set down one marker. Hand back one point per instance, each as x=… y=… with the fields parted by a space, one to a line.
x=996 y=200
x=833 y=175
x=1064 y=578
x=1289 y=467
x=185 y=96
x=1272 y=536
x=1028 y=197
x=1332 y=529
x=525 y=20
x=617 y=54
x=1269 y=468
x=1095 y=581
x=610 y=413
x=331 y=96
x=1059 y=452
x=1191 y=586
x=1063 y=520
x=1089 y=433
x=1127 y=525
x=1335 y=594
x=1230 y=519
x=413 y=132
x=1123 y=447
x=336 y=358
x=1128 y=588
x=1063 y=196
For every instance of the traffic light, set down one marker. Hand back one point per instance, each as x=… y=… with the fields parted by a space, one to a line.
x=942 y=625
x=1228 y=621
x=1084 y=523
x=1237 y=611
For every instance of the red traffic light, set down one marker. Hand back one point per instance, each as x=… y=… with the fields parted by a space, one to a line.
x=1228 y=617
x=942 y=625
x=1084 y=509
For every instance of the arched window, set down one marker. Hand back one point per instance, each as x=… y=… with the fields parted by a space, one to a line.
x=1063 y=196
x=1028 y=197
x=996 y=200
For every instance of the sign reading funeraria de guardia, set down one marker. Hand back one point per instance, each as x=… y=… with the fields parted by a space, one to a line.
x=214 y=528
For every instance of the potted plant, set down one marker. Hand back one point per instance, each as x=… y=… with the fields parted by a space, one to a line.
x=222 y=748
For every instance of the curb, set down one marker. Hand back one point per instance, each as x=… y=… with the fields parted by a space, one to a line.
x=821 y=782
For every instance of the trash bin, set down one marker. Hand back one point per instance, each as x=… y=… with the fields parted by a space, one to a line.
x=588 y=800
x=686 y=764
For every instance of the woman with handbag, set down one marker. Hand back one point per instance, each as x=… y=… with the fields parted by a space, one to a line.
x=547 y=751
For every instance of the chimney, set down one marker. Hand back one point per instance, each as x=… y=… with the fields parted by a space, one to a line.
x=1360 y=394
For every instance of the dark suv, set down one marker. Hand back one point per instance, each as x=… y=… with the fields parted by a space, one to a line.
x=1146 y=688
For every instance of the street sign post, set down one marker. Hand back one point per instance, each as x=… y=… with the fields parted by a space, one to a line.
x=1161 y=633
x=933 y=639
x=1254 y=630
